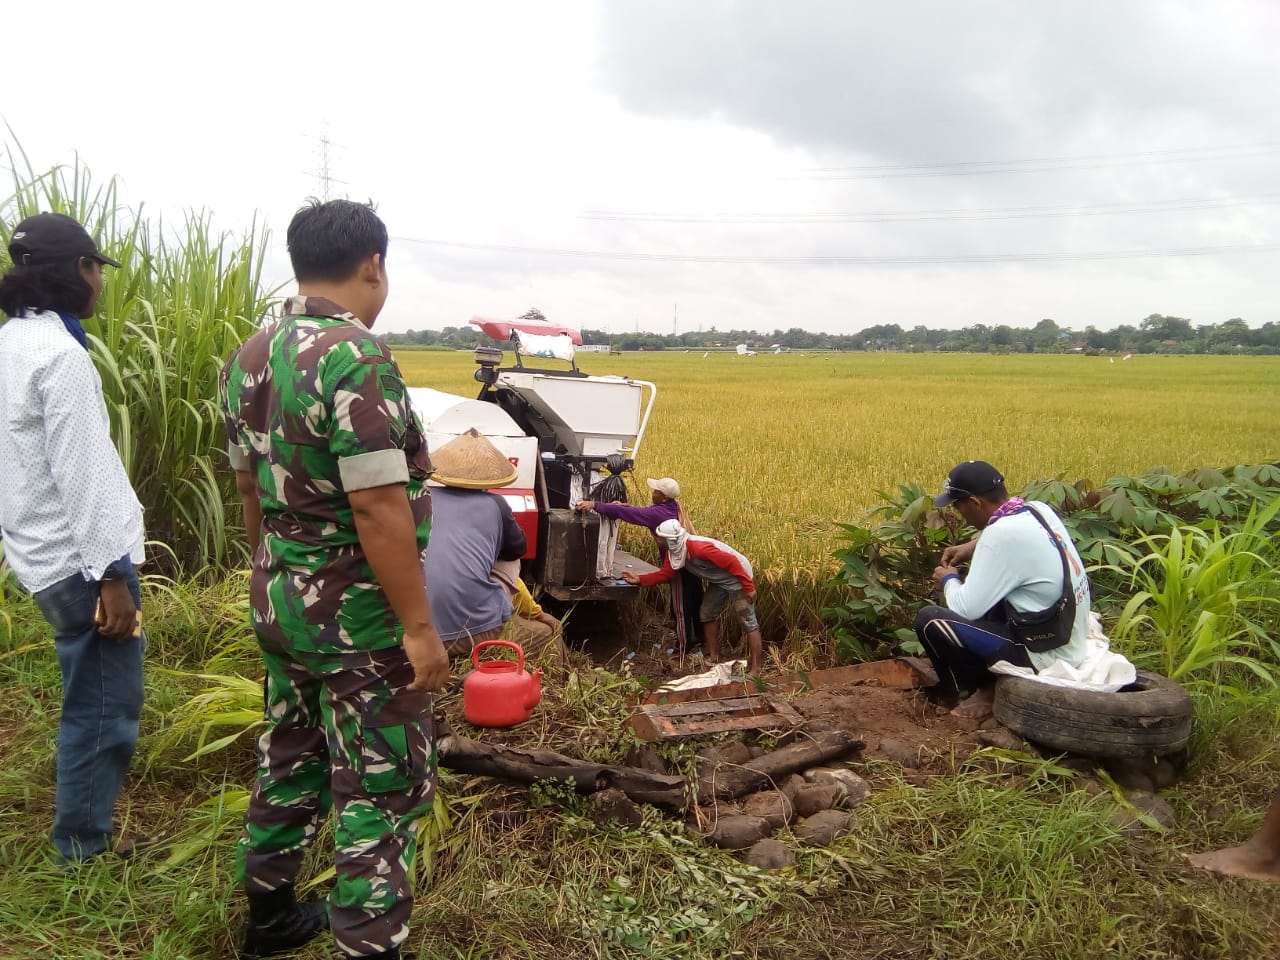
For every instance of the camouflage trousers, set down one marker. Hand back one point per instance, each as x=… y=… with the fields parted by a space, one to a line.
x=344 y=732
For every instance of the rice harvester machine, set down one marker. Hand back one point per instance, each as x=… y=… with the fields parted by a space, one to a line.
x=565 y=432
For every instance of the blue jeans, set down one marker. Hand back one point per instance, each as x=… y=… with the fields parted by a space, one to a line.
x=101 y=702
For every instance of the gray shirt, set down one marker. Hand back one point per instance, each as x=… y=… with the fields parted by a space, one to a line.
x=470 y=530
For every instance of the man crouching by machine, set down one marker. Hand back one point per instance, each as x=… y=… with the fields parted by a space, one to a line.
x=1025 y=601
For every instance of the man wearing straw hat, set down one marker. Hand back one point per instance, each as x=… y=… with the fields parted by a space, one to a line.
x=472 y=531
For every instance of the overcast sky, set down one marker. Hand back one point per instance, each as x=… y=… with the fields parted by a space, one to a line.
x=827 y=165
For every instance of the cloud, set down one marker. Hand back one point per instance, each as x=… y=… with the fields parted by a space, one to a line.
x=498 y=124
x=935 y=82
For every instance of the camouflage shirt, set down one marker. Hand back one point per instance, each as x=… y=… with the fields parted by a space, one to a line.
x=315 y=407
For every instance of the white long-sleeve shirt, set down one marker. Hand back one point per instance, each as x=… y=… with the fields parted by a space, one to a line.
x=1016 y=561
x=66 y=505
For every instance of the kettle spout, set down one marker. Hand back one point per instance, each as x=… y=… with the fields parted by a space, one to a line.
x=535 y=690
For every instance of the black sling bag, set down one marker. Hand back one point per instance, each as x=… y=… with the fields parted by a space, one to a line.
x=1041 y=630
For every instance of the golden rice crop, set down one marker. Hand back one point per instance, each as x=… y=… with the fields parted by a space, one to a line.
x=771 y=451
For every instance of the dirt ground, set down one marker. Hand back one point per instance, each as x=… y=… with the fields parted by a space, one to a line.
x=903 y=726
x=900 y=726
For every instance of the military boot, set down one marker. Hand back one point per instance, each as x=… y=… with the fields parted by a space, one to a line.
x=278 y=923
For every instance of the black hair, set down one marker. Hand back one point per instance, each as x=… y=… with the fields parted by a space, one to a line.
x=997 y=494
x=45 y=286
x=329 y=240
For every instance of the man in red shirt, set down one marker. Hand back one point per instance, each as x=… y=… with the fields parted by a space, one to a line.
x=728 y=576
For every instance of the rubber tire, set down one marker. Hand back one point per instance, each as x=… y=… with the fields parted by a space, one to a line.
x=1150 y=717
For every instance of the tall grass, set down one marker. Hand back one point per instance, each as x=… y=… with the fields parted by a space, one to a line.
x=1203 y=604
x=178 y=306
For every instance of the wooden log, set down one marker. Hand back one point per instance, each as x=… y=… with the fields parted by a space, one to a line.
x=729 y=782
x=465 y=755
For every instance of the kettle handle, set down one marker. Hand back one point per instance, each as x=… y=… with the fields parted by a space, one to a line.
x=475 y=653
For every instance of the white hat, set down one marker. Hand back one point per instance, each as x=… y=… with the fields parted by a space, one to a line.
x=677 y=539
x=666 y=486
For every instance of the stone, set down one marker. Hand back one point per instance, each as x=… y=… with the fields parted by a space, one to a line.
x=738 y=832
x=1165 y=773
x=612 y=804
x=900 y=753
x=770 y=854
x=790 y=784
x=1085 y=765
x=854 y=790
x=813 y=797
x=1132 y=773
x=1123 y=819
x=646 y=757
x=771 y=805
x=701 y=816
x=824 y=827
x=1158 y=808
x=1002 y=738
x=730 y=751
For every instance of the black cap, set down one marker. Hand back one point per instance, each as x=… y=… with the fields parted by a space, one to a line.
x=50 y=237
x=969 y=479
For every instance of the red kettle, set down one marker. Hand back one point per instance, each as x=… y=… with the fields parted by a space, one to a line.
x=499 y=693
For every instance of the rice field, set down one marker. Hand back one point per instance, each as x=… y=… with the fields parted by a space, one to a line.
x=771 y=451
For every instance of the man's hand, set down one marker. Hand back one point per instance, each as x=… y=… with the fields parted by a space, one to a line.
x=117 y=615
x=750 y=595
x=941 y=573
x=959 y=553
x=384 y=523
x=549 y=620
x=430 y=661
x=585 y=505
x=630 y=577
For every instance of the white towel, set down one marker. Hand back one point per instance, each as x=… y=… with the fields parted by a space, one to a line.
x=727 y=672
x=1102 y=670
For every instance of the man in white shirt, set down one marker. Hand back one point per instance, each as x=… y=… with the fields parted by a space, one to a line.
x=1016 y=567
x=71 y=523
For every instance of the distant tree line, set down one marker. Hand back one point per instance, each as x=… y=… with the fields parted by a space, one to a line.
x=1154 y=334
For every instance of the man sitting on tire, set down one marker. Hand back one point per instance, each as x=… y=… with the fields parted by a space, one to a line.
x=1012 y=607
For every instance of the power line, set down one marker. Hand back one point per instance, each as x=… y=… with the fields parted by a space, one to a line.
x=960 y=168
x=955 y=214
x=924 y=260
x=1172 y=152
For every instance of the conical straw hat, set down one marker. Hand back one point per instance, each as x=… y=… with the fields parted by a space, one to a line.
x=471 y=462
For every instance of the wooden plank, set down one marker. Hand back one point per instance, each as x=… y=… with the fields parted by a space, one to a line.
x=674 y=721
x=751 y=705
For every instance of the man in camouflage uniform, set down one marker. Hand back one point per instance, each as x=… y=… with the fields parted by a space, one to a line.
x=331 y=465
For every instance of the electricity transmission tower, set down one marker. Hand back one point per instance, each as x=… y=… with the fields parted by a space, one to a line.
x=324 y=175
